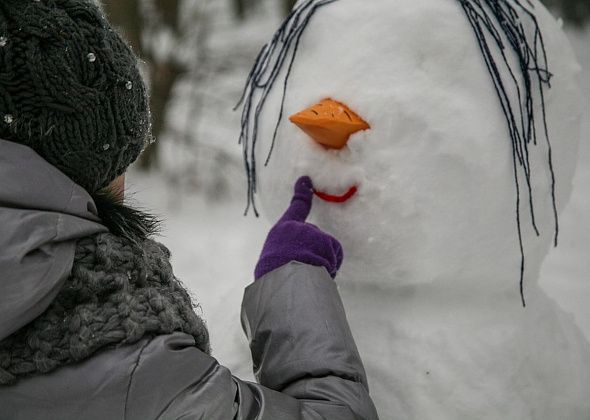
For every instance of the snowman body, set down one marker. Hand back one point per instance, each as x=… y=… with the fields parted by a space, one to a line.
x=432 y=260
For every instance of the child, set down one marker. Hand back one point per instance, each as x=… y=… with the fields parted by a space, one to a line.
x=93 y=323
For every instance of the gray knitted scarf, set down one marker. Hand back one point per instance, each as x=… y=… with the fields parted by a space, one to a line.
x=117 y=294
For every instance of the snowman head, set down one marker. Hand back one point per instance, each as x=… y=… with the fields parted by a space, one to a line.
x=471 y=120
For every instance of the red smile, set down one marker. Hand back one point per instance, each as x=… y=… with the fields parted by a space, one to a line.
x=337 y=198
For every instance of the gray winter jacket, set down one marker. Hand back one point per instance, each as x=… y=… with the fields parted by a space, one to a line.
x=303 y=353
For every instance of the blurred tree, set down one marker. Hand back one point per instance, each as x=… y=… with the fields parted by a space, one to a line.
x=288 y=4
x=125 y=16
x=572 y=11
x=164 y=35
x=159 y=17
x=241 y=7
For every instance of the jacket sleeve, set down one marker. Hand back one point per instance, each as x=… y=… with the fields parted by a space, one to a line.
x=303 y=353
x=302 y=346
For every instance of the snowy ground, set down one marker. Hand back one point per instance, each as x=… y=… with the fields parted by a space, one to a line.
x=215 y=249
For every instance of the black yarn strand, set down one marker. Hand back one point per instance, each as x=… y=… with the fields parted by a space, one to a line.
x=261 y=80
x=499 y=20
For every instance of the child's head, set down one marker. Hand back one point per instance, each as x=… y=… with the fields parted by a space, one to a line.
x=70 y=89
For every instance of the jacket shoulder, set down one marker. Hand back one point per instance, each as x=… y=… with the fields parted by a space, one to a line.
x=173 y=379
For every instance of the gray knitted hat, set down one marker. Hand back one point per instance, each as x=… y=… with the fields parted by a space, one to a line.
x=70 y=89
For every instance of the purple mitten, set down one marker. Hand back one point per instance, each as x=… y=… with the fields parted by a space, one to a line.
x=292 y=239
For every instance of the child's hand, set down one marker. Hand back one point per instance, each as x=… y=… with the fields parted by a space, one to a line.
x=292 y=239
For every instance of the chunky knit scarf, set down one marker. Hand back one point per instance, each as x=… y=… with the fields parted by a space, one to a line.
x=117 y=294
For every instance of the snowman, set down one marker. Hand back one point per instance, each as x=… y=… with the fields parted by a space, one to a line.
x=441 y=138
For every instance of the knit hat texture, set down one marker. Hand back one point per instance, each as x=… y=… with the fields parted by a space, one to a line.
x=70 y=88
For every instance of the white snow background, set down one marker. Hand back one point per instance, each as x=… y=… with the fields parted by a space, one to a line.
x=215 y=248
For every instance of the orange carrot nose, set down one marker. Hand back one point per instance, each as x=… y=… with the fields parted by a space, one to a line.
x=330 y=123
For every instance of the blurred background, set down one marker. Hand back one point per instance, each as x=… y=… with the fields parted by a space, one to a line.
x=197 y=54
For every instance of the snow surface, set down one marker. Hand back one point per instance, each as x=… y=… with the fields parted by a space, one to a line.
x=215 y=250
x=566 y=271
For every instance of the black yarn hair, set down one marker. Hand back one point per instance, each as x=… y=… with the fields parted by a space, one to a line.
x=500 y=28
x=124 y=221
x=504 y=22
x=262 y=78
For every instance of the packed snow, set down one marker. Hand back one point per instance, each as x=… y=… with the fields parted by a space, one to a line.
x=436 y=336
